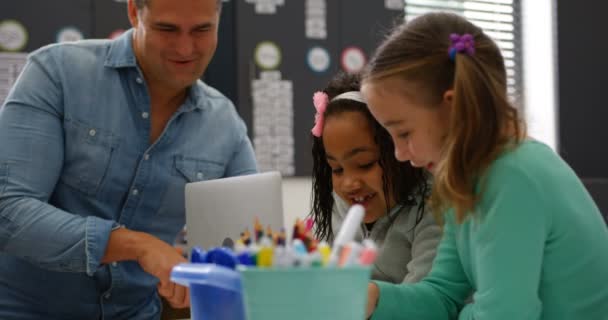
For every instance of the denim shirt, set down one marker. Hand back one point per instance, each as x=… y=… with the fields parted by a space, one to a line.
x=76 y=160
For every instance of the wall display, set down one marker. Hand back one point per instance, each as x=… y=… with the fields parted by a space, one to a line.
x=11 y=64
x=318 y=59
x=352 y=59
x=395 y=4
x=267 y=55
x=316 y=39
x=13 y=35
x=69 y=34
x=316 y=19
x=266 y=6
x=581 y=112
x=30 y=30
x=273 y=123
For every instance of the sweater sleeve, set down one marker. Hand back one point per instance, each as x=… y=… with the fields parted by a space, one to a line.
x=427 y=235
x=505 y=240
x=508 y=238
x=438 y=296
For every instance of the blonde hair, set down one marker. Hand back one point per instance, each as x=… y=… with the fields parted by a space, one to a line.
x=482 y=124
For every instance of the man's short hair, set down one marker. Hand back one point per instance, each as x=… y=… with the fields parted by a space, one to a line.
x=140 y=4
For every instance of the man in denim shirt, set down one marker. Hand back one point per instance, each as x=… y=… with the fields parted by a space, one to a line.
x=97 y=140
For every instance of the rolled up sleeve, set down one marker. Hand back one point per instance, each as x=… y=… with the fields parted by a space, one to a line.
x=31 y=161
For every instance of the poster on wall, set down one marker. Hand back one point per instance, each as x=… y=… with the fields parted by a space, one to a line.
x=267 y=55
x=398 y=5
x=69 y=34
x=318 y=59
x=273 y=123
x=316 y=19
x=266 y=6
x=353 y=59
x=11 y=64
x=13 y=35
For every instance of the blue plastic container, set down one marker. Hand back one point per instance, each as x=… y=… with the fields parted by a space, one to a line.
x=216 y=292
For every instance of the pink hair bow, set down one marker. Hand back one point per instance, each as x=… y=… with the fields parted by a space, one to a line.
x=320 y=100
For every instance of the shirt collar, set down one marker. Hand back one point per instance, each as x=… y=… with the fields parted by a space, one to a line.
x=121 y=52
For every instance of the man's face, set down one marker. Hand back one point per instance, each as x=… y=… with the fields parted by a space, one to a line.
x=174 y=40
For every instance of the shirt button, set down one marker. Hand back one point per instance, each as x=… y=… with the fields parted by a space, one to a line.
x=135 y=192
x=146 y=156
x=145 y=115
x=114 y=264
x=139 y=80
x=92 y=132
x=199 y=175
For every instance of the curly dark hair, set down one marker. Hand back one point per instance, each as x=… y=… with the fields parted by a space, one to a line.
x=407 y=184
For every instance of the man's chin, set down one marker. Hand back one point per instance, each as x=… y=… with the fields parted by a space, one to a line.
x=181 y=83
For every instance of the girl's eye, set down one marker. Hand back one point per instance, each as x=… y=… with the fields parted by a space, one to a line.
x=336 y=171
x=403 y=135
x=368 y=165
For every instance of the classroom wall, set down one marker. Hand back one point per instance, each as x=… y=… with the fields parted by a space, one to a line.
x=583 y=111
x=296 y=199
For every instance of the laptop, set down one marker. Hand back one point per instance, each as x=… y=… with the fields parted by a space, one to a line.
x=217 y=211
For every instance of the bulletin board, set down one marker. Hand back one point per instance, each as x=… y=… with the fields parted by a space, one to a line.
x=287 y=50
x=22 y=32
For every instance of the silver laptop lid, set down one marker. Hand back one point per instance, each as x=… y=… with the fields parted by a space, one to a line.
x=223 y=208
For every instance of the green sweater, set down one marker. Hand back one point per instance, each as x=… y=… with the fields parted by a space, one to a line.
x=536 y=247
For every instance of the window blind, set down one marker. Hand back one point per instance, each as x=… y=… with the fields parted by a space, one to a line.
x=500 y=19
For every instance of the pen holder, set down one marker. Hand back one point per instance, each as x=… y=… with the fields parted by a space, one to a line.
x=306 y=293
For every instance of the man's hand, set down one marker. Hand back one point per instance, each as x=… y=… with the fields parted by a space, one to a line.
x=372 y=298
x=154 y=256
x=158 y=259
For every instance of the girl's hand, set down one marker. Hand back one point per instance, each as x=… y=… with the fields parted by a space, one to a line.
x=372 y=298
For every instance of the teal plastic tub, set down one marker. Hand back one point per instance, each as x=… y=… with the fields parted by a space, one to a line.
x=306 y=293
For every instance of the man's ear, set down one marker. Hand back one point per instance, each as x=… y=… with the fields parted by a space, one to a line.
x=132 y=13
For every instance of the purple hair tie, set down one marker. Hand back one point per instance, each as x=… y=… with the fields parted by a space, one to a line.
x=461 y=43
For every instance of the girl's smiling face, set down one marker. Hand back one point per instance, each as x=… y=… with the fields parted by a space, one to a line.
x=353 y=156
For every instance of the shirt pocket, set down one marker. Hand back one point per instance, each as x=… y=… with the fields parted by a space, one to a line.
x=88 y=151
x=194 y=169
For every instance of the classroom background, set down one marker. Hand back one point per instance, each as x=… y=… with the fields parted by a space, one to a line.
x=554 y=50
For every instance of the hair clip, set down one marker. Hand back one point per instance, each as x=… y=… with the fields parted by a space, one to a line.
x=461 y=43
x=320 y=101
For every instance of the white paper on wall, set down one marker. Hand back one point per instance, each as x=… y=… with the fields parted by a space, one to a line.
x=316 y=19
x=394 y=4
x=13 y=35
x=11 y=65
x=273 y=138
x=266 y=6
